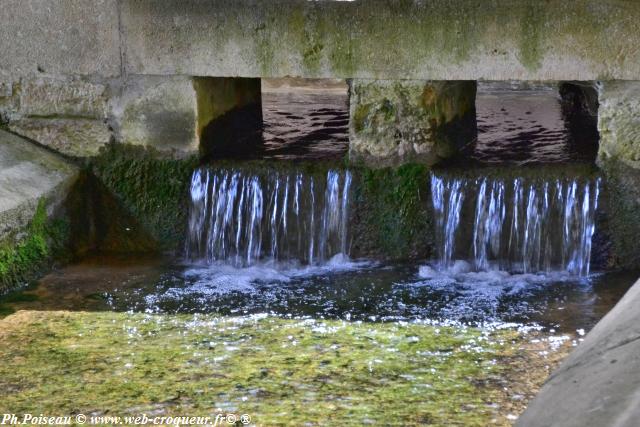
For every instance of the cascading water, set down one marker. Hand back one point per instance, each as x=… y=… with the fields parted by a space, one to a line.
x=518 y=224
x=243 y=217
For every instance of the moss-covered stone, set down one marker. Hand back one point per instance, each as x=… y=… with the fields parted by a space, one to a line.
x=151 y=186
x=621 y=201
x=24 y=256
x=392 y=215
x=279 y=371
x=619 y=122
x=401 y=39
x=619 y=159
x=399 y=121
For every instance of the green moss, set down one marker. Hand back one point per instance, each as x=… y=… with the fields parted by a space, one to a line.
x=43 y=240
x=392 y=212
x=294 y=372
x=531 y=33
x=152 y=188
x=622 y=203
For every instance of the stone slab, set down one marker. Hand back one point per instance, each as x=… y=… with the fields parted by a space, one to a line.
x=599 y=383
x=71 y=137
x=382 y=39
x=62 y=97
x=27 y=174
x=60 y=37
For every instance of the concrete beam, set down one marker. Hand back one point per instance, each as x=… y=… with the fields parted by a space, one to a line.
x=381 y=39
x=59 y=37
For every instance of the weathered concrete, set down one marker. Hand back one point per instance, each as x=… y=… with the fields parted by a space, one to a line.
x=68 y=115
x=619 y=122
x=27 y=174
x=59 y=37
x=598 y=384
x=46 y=97
x=157 y=111
x=619 y=159
x=381 y=39
x=399 y=121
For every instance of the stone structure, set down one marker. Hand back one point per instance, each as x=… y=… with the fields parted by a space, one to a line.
x=400 y=121
x=34 y=185
x=75 y=76
x=619 y=159
x=380 y=39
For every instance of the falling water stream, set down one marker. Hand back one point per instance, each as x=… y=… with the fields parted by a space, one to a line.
x=519 y=224
x=243 y=217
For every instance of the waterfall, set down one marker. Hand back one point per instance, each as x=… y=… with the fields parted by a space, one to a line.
x=518 y=224
x=241 y=217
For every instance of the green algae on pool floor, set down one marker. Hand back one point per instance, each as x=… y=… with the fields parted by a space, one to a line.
x=280 y=371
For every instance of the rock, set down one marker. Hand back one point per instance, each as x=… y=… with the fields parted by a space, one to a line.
x=619 y=159
x=401 y=121
x=71 y=137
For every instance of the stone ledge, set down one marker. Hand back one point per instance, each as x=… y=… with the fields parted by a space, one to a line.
x=27 y=174
x=62 y=97
x=71 y=137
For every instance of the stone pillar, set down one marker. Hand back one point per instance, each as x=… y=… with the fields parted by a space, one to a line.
x=395 y=122
x=173 y=114
x=158 y=112
x=619 y=159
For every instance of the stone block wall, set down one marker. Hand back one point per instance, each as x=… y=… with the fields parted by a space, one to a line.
x=77 y=117
x=68 y=115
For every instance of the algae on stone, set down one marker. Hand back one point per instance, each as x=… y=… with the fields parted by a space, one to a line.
x=398 y=121
x=280 y=371
x=619 y=159
x=392 y=218
x=152 y=187
x=23 y=257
